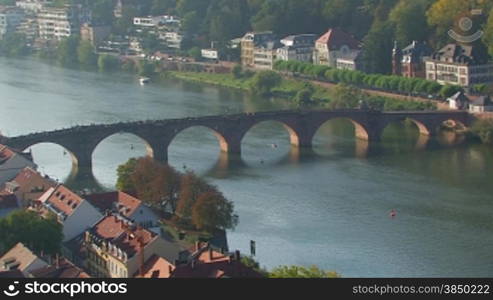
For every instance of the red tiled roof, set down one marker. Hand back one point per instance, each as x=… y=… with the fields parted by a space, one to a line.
x=128 y=238
x=156 y=267
x=29 y=184
x=109 y=227
x=207 y=263
x=336 y=38
x=122 y=202
x=62 y=199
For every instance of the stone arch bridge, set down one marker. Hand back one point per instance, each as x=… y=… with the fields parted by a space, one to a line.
x=81 y=141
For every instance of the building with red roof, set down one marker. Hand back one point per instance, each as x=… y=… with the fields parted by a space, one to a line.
x=336 y=45
x=117 y=248
x=28 y=186
x=12 y=162
x=72 y=211
x=125 y=205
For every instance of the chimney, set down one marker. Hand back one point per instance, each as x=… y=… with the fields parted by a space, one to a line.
x=197 y=246
x=237 y=255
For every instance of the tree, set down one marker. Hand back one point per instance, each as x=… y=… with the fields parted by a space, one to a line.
x=213 y=211
x=195 y=53
x=445 y=14
x=409 y=19
x=36 y=233
x=488 y=33
x=108 y=62
x=191 y=187
x=377 y=49
x=102 y=12
x=484 y=130
x=346 y=96
x=449 y=90
x=67 y=51
x=154 y=183
x=124 y=172
x=304 y=97
x=263 y=82
x=237 y=71
x=86 y=54
x=13 y=44
x=146 y=68
x=301 y=272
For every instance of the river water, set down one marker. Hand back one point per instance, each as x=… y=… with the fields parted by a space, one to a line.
x=329 y=208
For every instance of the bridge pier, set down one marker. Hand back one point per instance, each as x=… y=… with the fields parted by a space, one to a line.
x=158 y=150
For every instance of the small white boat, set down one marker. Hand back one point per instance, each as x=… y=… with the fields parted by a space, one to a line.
x=144 y=80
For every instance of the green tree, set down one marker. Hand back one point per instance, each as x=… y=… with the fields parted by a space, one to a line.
x=409 y=19
x=67 y=51
x=445 y=14
x=303 y=97
x=301 y=272
x=146 y=68
x=86 y=54
x=377 y=49
x=488 y=33
x=237 y=71
x=484 y=130
x=108 y=62
x=124 y=180
x=27 y=227
x=346 y=96
x=13 y=44
x=263 y=82
x=450 y=90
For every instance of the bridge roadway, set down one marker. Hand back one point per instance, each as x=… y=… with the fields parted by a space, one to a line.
x=81 y=141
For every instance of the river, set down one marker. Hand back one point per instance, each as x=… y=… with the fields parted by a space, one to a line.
x=329 y=208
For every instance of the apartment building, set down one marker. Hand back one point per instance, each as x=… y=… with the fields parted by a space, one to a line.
x=463 y=65
x=10 y=18
x=116 y=248
x=333 y=45
x=58 y=23
x=297 y=47
x=248 y=44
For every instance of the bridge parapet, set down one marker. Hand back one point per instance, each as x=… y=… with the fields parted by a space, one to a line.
x=302 y=125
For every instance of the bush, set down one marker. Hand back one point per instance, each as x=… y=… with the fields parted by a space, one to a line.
x=484 y=130
x=237 y=71
x=450 y=90
x=263 y=82
x=108 y=62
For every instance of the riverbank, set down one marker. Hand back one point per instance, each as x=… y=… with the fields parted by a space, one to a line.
x=320 y=95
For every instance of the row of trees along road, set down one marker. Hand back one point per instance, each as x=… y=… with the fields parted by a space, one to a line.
x=195 y=203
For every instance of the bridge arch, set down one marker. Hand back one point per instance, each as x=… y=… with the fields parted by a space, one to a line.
x=223 y=142
x=294 y=136
x=360 y=131
x=106 y=137
x=47 y=156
